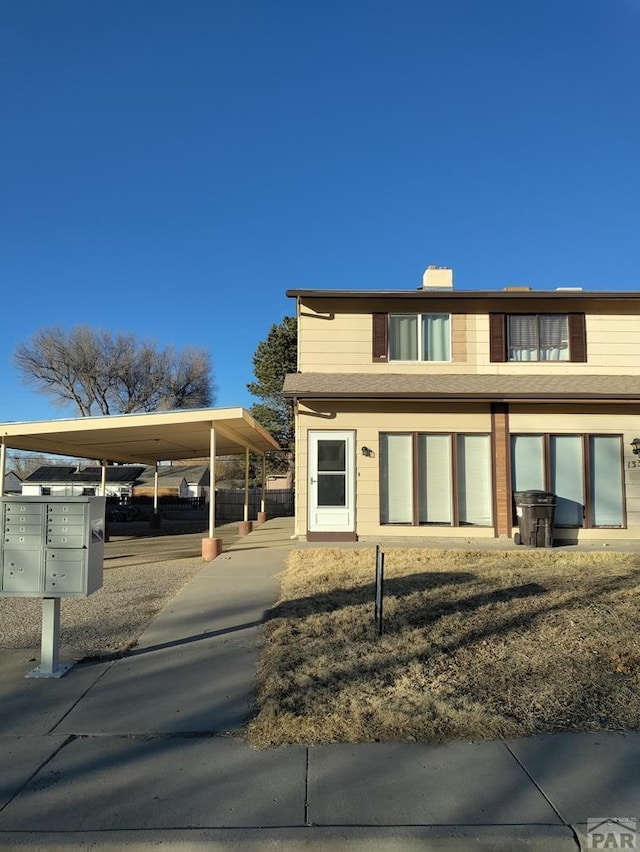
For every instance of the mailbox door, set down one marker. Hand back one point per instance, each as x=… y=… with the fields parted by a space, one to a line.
x=22 y=571
x=30 y=526
x=64 y=512
x=71 y=536
x=64 y=572
x=21 y=511
x=66 y=524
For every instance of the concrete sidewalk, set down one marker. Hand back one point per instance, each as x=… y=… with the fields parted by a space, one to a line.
x=146 y=751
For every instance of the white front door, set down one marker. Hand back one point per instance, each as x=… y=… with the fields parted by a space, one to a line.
x=332 y=493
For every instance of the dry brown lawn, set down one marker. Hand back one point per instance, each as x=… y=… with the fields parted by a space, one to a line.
x=476 y=645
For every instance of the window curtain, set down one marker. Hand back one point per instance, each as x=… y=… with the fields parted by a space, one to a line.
x=403 y=337
x=554 y=337
x=436 y=336
x=434 y=479
x=474 y=480
x=428 y=341
x=606 y=481
x=396 y=479
x=523 y=338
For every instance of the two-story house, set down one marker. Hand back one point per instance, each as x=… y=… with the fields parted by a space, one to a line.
x=419 y=413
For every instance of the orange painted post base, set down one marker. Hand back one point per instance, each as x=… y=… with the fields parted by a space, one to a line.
x=262 y=517
x=211 y=547
x=245 y=527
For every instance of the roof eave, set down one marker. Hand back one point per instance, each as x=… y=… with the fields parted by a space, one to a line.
x=615 y=295
x=458 y=397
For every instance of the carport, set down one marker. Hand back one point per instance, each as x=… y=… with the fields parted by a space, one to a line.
x=150 y=439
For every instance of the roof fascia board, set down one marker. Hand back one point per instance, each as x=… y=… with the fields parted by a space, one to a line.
x=85 y=439
x=257 y=427
x=238 y=439
x=463 y=397
x=607 y=295
x=122 y=421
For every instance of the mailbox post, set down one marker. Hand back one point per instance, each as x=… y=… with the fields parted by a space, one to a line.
x=51 y=547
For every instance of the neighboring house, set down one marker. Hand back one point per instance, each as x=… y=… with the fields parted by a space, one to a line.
x=420 y=412
x=12 y=483
x=72 y=481
x=175 y=481
x=122 y=481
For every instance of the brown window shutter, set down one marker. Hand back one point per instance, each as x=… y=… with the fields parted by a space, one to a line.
x=497 y=337
x=577 y=338
x=380 y=336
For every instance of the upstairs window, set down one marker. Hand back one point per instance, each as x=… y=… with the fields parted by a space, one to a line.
x=538 y=337
x=419 y=337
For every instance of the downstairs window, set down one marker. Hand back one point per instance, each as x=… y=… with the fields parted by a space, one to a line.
x=435 y=478
x=584 y=471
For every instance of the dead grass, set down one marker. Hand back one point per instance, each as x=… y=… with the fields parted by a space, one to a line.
x=476 y=645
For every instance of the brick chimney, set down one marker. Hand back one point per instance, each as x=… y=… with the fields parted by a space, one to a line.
x=437 y=278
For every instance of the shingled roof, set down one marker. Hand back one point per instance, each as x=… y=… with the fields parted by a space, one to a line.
x=460 y=386
x=172 y=475
x=92 y=473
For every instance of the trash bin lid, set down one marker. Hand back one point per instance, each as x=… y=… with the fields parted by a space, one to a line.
x=534 y=496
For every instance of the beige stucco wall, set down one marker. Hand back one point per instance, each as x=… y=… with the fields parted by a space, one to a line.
x=337 y=337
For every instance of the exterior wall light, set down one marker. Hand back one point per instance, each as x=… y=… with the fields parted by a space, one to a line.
x=635 y=446
x=367 y=452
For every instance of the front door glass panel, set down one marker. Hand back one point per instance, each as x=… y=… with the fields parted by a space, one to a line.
x=332 y=479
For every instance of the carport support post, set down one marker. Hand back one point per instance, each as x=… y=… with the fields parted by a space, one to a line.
x=155 y=518
x=212 y=547
x=244 y=527
x=103 y=492
x=246 y=484
x=262 y=515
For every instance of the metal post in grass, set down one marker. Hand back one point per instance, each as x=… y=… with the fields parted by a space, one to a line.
x=379 y=587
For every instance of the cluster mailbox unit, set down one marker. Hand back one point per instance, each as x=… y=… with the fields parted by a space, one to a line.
x=51 y=547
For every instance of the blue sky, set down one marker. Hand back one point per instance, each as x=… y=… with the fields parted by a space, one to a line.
x=171 y=167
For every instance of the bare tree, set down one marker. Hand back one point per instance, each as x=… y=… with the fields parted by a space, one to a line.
x=24 y=465
x=102 y=373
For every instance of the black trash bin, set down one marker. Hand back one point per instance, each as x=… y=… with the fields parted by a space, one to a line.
x=535 y=511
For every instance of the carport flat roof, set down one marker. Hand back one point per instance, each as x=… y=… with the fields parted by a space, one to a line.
x=147 y=438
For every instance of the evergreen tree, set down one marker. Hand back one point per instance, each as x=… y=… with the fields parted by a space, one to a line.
x=276 y=356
